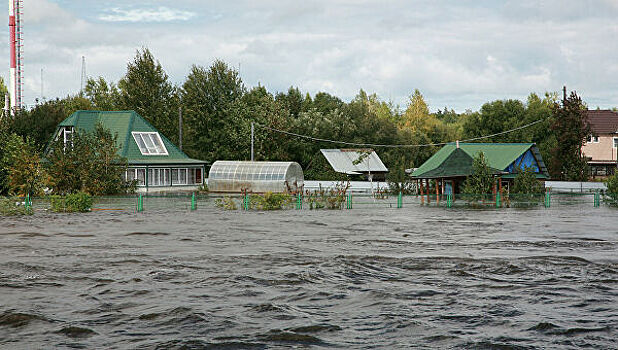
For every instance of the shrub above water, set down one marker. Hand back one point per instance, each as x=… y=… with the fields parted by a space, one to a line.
x=13 y=207
x=76 y=202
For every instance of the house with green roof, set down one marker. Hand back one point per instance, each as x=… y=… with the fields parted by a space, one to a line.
x=452 y=164
x=154 y=162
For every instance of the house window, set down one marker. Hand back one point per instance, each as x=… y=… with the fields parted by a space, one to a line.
x=615 y=142
x=159 y=177
x=179 y=176
x=138 y=175
x=595 y=139
x=150 y=143
x=592 y=139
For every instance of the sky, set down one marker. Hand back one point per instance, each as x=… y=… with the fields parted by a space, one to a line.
x=459 y=54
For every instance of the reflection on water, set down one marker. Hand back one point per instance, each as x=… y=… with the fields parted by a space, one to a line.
x=364 y=278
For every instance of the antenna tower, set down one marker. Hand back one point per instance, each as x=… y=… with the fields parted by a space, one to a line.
x=16 y=50
x=82 y=86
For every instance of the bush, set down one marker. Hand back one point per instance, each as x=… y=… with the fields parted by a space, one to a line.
x=76 y=202
x=612 y=187
x=13 y=207
x=270 y=201
x=226 y=203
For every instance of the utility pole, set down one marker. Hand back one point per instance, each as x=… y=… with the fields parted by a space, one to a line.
x=252 y=133
x=180 y=128
x=564 y=96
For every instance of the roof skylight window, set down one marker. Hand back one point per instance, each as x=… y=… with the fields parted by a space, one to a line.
x=150 y=143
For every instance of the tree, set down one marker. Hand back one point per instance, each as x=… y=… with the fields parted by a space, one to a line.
x=481 y=182
x=39 y=123
x=90 y=163
x=3 y=91
x=104 y=96
x=570 y=126
x=24 y=172
x=208 y=95
x=146 y=89
x=526 y=183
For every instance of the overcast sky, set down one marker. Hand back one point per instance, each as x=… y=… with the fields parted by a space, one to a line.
x=460 y=54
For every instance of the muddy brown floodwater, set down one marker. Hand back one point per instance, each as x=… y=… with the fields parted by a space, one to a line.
x=359 y=279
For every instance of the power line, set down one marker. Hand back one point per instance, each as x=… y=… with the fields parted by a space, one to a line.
x=394 y=146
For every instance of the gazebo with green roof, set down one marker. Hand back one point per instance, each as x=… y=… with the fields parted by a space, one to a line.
x=154 y=161
x=452 y=164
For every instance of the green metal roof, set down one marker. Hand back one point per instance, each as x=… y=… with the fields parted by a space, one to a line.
x=451 y=161
x=122 y=123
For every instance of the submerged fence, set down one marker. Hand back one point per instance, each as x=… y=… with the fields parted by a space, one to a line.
x=139 y=203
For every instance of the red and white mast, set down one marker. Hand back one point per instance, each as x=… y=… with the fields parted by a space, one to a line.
x=15 y=33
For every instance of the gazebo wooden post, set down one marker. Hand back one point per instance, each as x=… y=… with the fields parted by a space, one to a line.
x=494 y=190
x=437 y=193
x=421 y=191
x=428 y=189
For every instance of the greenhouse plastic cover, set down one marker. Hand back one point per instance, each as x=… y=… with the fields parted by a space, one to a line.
x=236 y=176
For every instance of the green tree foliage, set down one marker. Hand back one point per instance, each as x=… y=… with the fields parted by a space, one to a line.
x=208 y=96
x=146 y=89
x=103 y=96
x=570 y=127
x=481 y=182
x=22 y=167
x=525 y=182
x=39 y=123
x=3 y=91
x=612 y=187
x=90 y=164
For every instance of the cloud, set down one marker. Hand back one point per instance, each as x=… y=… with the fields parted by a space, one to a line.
x=160 y=14
x=460 y=54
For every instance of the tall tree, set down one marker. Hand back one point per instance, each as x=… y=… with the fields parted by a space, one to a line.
x=146 y=89
x=571 y=127
x=103 y=95
x=208 y=95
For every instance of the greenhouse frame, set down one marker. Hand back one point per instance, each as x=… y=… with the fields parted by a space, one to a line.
x=257 y=177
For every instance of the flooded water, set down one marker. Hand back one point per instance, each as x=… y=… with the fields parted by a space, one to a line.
x=361 y=279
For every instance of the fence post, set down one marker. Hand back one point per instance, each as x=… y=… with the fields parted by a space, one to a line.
x=400 y=200
x=140 y=204
x=497 y=199
x=193 y=203
x=597 y=199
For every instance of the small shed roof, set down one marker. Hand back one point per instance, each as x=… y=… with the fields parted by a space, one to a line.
x=343 y=161
x=122 y=123
x=451 y=161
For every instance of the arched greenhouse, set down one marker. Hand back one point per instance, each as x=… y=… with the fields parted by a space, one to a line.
x=260 y=177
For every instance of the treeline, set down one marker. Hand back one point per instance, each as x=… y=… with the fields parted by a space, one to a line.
x=218 y=109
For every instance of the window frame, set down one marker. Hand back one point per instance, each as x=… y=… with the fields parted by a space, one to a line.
x=150 y=137
x=615 y=143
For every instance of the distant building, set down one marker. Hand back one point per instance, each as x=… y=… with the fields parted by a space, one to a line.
x=356 y=162
x=452 y=164
x=600 y=147
x=154 y=162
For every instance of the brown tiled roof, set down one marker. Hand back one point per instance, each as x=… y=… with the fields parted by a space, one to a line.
x=603 y=121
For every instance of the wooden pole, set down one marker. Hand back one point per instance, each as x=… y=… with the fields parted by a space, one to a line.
x=422 y=194
x=437 y=193
x=428 y=189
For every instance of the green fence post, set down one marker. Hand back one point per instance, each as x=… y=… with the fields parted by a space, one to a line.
x=140 y=204
x=193 y=203
x=597 y=199
x=399 y=200
x=497 y=199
